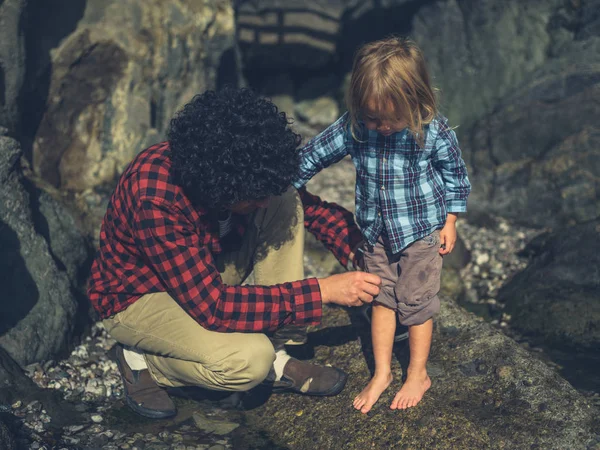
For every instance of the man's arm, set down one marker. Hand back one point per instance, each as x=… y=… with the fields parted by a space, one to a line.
x=174 y=251
x=332 y=224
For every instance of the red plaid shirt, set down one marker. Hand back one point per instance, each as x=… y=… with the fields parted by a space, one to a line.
x=154 y=240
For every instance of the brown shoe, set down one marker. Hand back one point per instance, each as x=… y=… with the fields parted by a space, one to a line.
x=142 y=394
x=310 y=379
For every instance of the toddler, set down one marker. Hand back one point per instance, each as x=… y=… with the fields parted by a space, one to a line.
x=411 y=184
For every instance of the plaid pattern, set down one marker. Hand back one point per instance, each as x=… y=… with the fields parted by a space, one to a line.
x=154 y=240
x=402 y=189
x=332 y=224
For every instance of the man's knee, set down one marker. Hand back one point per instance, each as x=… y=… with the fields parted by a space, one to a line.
x=249 y=366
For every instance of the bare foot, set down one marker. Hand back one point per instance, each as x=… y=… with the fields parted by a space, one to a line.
x=412 y=391
x=369 y=395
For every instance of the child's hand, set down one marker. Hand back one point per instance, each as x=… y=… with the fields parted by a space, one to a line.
x=447 y=238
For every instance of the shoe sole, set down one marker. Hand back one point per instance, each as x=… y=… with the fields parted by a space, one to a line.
x=335 y=389
x=150 y=413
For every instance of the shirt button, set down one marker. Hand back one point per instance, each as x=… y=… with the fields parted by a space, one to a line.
x=383 y=188
x=379 y=214
x=384 y=160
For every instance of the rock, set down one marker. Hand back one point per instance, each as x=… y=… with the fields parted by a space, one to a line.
x=38 y=308
x=535 y=161
x=459 y=257
x=13 y=22
x=482 y=258
x=557 y=297
x=213 y=425
x=280 y=83
x=16 y=388
x=482 y=405
x=217 y=447
x=502 y=45
x=14 y=384
x=117 y=80
x=316 y=87
x=320 y=112
x=7 y=440
x=69 y=247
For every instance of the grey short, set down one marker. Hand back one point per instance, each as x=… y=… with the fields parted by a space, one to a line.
x=410 y=278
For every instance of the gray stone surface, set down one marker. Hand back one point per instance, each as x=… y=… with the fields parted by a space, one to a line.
x=557 y=297
x=487 y=392
x=480 y=51
x=14 y=384
x=7 y=441
x=12 y=60
x=69 y=247
x=320 y=112
x=535 y=160
x=117 y=80
x=37 y=306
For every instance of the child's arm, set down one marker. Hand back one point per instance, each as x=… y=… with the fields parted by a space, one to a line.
x=322 y=151
x=447 y=159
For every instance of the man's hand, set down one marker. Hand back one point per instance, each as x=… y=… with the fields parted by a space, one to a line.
x=448 y=234
x=349 y=289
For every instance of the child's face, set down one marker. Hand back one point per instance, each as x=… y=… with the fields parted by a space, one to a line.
x=385 y=121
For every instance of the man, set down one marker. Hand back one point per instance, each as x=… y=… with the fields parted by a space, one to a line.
x=189 y=220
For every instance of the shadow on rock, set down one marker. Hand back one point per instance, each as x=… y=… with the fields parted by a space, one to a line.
x=19 y=291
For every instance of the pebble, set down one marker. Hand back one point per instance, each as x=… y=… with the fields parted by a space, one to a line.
x=482 y=258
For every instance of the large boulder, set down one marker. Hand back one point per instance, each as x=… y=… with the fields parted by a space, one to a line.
x=39 y=281
x=117 y=80
x=7 y=440
x=480 y=51
x=536 y=159
x=487 y=392
x=15 y=388
x=12 y=60
x=556 y=299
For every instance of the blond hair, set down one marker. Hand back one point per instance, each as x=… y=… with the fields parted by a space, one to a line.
x=392 y=71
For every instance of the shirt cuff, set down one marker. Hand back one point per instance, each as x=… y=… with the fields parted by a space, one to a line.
x=307 y=307
x=456 y=206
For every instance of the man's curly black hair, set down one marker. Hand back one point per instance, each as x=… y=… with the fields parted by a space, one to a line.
x=231 y=146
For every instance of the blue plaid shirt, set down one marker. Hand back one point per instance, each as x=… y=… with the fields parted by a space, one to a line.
x=400 y=187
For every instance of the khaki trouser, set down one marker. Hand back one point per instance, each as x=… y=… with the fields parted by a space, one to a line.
x=180 y=352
